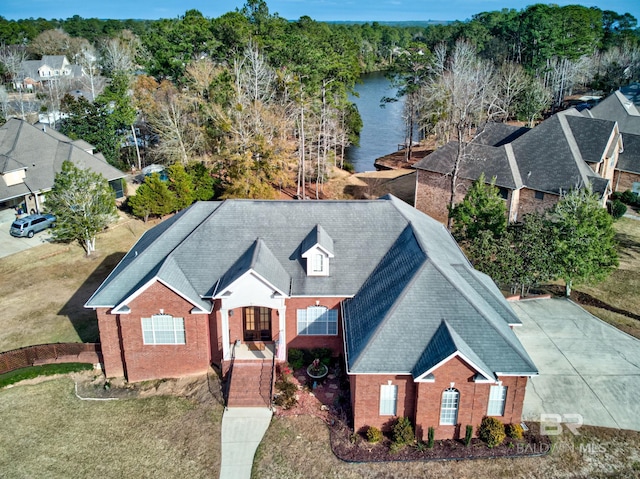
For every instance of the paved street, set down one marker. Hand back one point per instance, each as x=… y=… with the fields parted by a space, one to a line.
x=586 y=366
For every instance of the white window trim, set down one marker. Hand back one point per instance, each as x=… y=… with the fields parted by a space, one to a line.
x=388 y=400
x=150 y=330
x=450 y=402
x=330 y=319
x=497 y=400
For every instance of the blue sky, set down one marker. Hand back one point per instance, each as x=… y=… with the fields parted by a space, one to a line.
x=370 y=10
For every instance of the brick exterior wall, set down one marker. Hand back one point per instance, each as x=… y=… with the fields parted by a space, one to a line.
x=421 y=401
x=433 y=191
x=335 y=343
x=529 y=203
x=623 y=181
x=146 y=361
x=365 y=399
x=108 y=326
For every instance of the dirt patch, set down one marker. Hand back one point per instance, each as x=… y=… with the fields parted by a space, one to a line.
x=201 y=388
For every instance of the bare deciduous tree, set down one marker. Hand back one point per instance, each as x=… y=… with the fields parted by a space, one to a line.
x=459 y=99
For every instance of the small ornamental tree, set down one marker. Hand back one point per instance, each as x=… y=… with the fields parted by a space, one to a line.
x=585 y=247
x=481 y=210
x=83 y=204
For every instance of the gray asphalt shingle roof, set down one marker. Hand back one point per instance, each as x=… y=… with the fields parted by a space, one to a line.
x=617 y=107
x=400 y=269
x=23 y=146
x=629 y=159
x=550 y=157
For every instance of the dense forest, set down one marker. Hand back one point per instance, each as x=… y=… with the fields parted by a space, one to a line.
x=262 y=101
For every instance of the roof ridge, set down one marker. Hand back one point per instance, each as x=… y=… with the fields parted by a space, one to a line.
x=573 y=147
x=511 y=158
x=133 y=258
x=480 y=311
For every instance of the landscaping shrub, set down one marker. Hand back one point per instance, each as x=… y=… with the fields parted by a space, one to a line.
x=374 y=434
x=286 y=397
x=514 y=431
x=468 y=434
x=630 y=198
x=296 y=358
x=491 y=431
x=430 y=437
x=617 y=209
x=403 y=431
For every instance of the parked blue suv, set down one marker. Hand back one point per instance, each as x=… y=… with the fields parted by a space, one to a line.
x=32 y=224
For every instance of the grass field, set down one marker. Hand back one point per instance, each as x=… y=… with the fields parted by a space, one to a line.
x=43 y=289
x=621 y=290
x=48 y=432
x=298 y=448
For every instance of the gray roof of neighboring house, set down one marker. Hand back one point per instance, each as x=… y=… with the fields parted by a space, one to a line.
x=493 y=161
x=550 y=157
x=629 y=159
x=23 y=146
x=632 y=92
x=616 y=107
x=498 y=134
x=402 y=271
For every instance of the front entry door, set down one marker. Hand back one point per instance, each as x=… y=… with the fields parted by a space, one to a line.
x=257 y=324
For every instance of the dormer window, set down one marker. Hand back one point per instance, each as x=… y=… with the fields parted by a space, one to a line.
x=318 y=263
x=317 y=249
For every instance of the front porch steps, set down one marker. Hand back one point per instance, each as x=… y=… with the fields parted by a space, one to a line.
x=250 y=384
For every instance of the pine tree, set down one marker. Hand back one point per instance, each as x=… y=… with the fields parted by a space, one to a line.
x=584 y=238
x=152 y=198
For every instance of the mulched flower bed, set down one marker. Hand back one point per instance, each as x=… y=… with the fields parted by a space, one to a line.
x=328 y=400
x=351 y=447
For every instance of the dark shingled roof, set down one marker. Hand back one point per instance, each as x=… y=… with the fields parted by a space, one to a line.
x=401 y=271
x=493 y=161
x=498 y=134
x=629 y=159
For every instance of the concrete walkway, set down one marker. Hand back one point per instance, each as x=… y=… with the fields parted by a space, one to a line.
x=586 y=366
x=242 y=431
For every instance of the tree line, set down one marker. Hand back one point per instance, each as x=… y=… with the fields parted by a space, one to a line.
x=263 y=101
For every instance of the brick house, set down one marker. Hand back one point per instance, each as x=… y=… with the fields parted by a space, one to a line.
x=531 y=167
x=384 y=286
x=620 y=108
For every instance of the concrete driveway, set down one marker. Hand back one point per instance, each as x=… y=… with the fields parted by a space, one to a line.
x=9 y=244
x=586 y=366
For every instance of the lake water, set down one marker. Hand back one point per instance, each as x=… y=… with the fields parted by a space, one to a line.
x=383 y=128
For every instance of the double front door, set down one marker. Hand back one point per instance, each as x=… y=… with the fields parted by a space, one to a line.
x=257 y=323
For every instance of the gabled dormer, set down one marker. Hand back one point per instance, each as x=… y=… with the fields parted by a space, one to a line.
x=12 y=172
x=317 y=249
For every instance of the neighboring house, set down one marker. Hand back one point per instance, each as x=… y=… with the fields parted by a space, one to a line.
x=423 y=334
x=36 y=73
x=621 y=108
x=31 y=157
x=531 y=167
